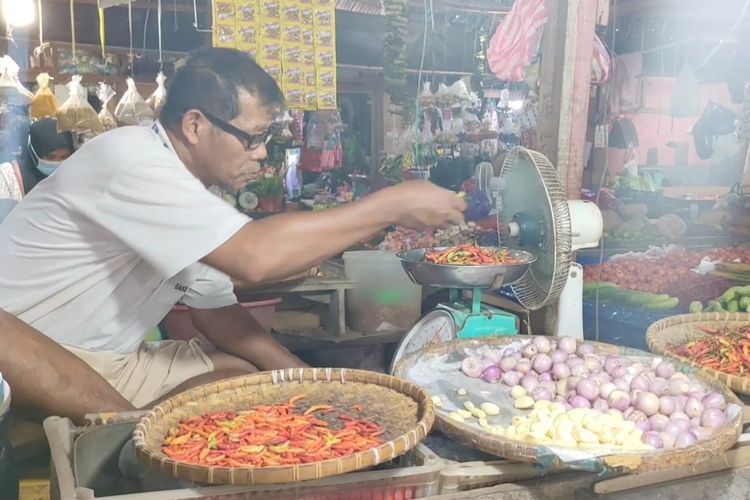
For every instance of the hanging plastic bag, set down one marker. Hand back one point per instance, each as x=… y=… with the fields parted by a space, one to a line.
x=76 y=114
x=105 y=94
x=12 y=92
x=44 y=103
x=132 y=108
x=156 y=100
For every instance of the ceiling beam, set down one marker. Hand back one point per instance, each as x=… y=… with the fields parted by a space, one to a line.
x=167 y=6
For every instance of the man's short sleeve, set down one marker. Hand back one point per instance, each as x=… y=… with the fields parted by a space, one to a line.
x=211 y=290
x=165 y=214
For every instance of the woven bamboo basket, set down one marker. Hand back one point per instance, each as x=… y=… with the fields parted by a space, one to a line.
x=403 y=410
x=716 y=444
x=682 y=329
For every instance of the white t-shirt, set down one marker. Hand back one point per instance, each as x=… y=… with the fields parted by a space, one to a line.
x=98 y=253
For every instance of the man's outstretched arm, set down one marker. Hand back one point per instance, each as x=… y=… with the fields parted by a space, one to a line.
x=47 y=379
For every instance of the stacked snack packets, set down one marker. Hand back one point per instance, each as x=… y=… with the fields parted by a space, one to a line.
x=294 y=41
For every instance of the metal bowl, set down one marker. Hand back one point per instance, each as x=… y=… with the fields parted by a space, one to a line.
x=451 y=276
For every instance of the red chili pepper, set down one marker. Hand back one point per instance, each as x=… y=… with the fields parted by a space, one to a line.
x=269 y=436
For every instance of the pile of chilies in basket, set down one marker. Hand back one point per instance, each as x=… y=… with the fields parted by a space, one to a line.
x=276 y=435
x=725 y=349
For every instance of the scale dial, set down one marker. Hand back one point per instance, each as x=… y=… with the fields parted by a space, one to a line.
x=434 y=327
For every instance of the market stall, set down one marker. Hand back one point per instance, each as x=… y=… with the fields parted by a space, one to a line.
x=466 y=390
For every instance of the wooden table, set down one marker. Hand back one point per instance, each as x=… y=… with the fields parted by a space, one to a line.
x=329 y=291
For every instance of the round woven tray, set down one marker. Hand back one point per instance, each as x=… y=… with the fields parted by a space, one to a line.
x=403 y=410
x=683 y=329
x=474 y=437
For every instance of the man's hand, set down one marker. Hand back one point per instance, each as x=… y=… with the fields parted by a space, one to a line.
x=422 y=204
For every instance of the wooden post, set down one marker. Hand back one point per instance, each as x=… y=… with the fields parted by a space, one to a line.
x=568 y=47
x=565 y=85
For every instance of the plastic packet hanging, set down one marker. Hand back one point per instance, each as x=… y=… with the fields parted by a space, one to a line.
x=156 y=100
x=426 y=97
x=11 y=90
x=44 y=103
x=105 y=94
x=76 y=114
x=132 y=108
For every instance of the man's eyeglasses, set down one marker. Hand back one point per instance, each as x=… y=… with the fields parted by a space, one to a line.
x=251 y=141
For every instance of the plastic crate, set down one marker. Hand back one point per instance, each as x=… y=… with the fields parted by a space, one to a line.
x=417 y=474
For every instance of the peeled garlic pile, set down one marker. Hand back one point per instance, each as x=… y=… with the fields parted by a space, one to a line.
x=549 y=424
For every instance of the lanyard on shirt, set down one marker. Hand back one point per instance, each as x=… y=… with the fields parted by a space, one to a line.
x=158 y=133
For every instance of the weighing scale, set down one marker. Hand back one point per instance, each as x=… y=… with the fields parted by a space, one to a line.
x=540 y=226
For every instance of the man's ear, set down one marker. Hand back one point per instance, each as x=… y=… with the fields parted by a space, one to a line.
x=192 y=121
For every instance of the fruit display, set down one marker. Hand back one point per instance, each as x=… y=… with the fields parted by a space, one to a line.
x=724 y=349
x=274 y=435
x=581 y=397
x=663 y=272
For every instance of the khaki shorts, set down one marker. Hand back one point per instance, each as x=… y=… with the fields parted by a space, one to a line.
x=152 y=371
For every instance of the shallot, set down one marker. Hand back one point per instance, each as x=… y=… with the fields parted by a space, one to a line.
x=523 y=365
x=606 y=389
x=713 y=418
x=567 y=344
x=529 y=351
x=511 y=378
x=541 y=362
x=619 y=400
x=658 y=422
x=600 y=404
x=579 y=370
x=667 y=439
x=579 y=402
x=653 y=439
x=529 y=382
x=684 y=439
x=541 y=394
x=545 y=377
x=588 y=389
x=678 y=387
x=665 y=369
x=640 y=383
x=699 y=432
x=676 y=427
x=542 y=344
x=492 y=354
x=472 y=367
x=666 y=405
x=693 y=407
x=560 y=371
x=658 y=386
x=584 y=349
x=648 y=403
x=492 y=374
x=558 y=356
x=662 y=407
x=714 y=400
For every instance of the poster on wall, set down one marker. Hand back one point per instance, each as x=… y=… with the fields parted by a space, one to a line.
x=294 y=41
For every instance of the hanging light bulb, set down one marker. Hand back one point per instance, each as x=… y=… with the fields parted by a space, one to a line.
x=18 y=12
